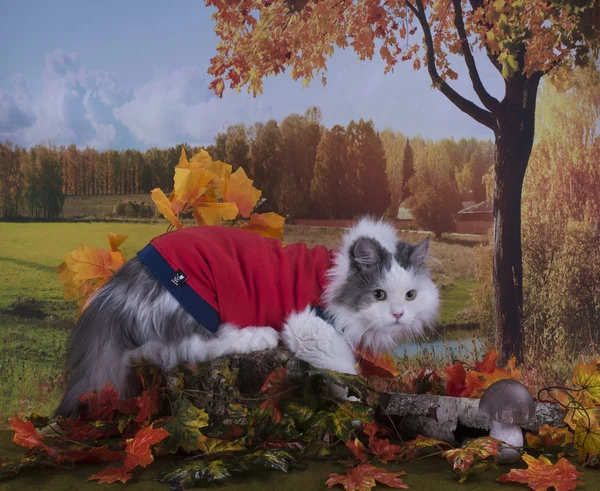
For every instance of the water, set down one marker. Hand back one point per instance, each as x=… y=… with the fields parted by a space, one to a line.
x=454 y=348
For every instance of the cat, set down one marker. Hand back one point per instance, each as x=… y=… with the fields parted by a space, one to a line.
x=203 y=292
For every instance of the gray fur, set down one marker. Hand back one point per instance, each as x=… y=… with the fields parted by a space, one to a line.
x=409 y=256
x=132 y=309
x=369 y=261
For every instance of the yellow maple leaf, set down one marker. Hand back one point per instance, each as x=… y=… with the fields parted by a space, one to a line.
x=587 y=438
x=115 y=240
x=241 y=192
x=549 y=438
x=587 y=379
x=215 y=213
x=164 y=206
x=209 y=445
x=189 y=185
x=266 y=224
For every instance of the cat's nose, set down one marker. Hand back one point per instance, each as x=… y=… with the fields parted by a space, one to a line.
x=397 y=315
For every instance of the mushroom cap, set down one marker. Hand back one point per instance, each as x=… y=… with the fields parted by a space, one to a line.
x=508 y=402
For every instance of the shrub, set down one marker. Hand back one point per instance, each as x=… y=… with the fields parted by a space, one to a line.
x=133 y=209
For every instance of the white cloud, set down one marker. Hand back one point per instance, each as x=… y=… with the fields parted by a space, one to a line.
x=179 y=107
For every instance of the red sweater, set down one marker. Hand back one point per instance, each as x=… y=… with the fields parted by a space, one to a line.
x=222 y=274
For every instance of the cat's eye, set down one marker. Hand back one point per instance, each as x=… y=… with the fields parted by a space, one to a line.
x=379 y=294
x=411 y=295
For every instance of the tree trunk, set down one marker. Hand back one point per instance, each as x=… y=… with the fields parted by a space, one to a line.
x=515 y=121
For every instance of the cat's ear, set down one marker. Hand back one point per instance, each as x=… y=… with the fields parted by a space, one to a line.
x=365 y=252
x=419 y=253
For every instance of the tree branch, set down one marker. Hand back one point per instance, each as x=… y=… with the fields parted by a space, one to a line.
x=465 y=105
x=486 y=99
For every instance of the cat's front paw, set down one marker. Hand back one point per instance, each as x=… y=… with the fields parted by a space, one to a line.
x=252 y=339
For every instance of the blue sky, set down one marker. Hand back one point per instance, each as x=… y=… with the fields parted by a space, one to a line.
x=133 y=74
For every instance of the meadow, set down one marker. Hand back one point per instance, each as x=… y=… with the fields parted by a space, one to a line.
x=35 y=319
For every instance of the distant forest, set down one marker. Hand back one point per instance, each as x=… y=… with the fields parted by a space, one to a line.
x=303 y=169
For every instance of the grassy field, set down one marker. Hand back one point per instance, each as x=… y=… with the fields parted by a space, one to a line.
x=32 y=350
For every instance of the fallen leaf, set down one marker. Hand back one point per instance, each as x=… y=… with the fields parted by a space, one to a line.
x=101 y=405
x=542 y=475
x=138 y=448
x=148 y=404
x=184 y=429
x=456 y=383
x=357 y=449
x=465 y=459
x=549 y=439
x=25 y=433
x=91 y=455
x=382 y=365
x=111 y=475
x=363 y=477
x=587 y=439
x=587 y=379
x=215 y=445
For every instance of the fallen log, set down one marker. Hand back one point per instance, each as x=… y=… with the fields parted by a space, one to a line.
x=444 y=417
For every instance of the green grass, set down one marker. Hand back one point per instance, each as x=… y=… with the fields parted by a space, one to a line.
x=32 y=351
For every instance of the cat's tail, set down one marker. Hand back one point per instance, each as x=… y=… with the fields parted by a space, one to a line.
x=98 y=352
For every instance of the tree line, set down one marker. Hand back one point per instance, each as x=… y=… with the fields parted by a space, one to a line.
x=303 y=169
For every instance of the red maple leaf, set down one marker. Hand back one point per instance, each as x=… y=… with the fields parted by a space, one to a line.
x=456 y=382
x=273 y=386
x=488 y=364
x=541 y=475
x=382 y=365
x=384 y=450
x=363 y=477
x=357 y=449
x=113 y=474
x=148 y=404
x=138 y=448
x=127 y=406
x=101 y=405
x=25 y=433
x=93 y=455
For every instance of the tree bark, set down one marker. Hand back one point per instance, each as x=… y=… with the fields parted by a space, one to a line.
x=515 y=126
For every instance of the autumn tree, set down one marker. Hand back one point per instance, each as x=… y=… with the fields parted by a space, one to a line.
x=329 y=185
x=434 y=197
x=367 y=175
x=408 y=170
x=300 y=138
x=237 y=148
x=266 y=159
x=524 y=40
x=393 y=145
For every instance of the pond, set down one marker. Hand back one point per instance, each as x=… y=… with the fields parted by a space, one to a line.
x=463 y=348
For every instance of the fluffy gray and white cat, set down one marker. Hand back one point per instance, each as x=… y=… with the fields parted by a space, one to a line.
x=378 y=292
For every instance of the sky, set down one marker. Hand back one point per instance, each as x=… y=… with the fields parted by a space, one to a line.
x=133 y=74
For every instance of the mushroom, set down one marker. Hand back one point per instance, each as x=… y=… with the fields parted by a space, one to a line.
x=508 y=404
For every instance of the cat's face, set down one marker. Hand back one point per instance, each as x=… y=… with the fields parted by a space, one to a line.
x=386 y=296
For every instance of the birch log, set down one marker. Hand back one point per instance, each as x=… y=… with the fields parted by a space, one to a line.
x=440 y=416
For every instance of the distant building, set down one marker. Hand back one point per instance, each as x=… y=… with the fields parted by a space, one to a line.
x=476 y=218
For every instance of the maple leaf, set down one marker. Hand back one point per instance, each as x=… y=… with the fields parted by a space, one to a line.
x=265 y=224
x=486 y=373
x=101 y=405
x=587 y=379
x=91 y=455
x=138 y=448
x=273 y=385
x=414 y=448
x=587 y=438
x=25 y=433
x=466 y=459
x=241 y=192
x=163 y=205
x=111 y=475
x=215 y=445
x=456 y=383
x=184 y=429
x=357 y=449
x=215 y=213
x=549 y=439
x=148 y=404
x=384 y=450
x=363 y=477
x=382 y=365
x=541 y=475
